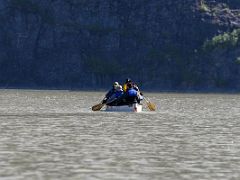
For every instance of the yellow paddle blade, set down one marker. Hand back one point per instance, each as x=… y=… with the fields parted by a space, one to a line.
x=97 y=107
x=151 y=106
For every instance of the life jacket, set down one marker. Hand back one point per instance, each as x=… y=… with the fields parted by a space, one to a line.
x=125 y=87
x=132 y=92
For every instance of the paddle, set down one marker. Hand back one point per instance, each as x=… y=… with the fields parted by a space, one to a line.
x=151 y=106
x=98 y=107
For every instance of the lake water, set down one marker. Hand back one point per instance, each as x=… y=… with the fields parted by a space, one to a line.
x=55 y=135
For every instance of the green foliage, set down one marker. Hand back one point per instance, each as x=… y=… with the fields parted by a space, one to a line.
x=237 y=61
x=203 y=6
x=228 y=39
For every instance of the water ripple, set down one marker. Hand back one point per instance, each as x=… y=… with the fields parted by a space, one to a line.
x=54 y=135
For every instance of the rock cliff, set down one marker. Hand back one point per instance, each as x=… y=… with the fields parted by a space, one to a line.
x=164 y=45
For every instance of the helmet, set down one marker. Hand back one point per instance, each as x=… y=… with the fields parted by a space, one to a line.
x=128 y=80
x=115 y=84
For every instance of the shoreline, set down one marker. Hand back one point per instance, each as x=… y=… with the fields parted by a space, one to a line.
x=167 y=91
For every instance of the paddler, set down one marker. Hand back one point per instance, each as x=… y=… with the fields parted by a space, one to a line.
x=110 y=92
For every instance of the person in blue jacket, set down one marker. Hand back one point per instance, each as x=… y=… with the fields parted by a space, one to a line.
x=112 y=101
x=132 y=95
x=129 y=81
x=110 y=92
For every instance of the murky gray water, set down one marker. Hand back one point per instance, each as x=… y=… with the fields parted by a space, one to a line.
x=55 y=135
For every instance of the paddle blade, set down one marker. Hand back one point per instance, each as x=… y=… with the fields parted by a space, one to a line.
x=97 y=107
x=151 y=106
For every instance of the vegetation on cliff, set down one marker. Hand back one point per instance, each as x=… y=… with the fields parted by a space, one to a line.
x=225 y=40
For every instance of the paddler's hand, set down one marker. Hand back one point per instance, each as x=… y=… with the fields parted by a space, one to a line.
x=104 y=101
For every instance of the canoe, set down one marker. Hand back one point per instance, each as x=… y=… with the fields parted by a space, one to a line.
x=125 y=108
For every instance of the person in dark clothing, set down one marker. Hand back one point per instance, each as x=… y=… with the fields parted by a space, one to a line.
x=112 y=101
x=110 y=92
x=132 y=95
x=129 y=81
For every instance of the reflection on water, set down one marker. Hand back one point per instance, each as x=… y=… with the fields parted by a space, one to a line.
x=54 y=135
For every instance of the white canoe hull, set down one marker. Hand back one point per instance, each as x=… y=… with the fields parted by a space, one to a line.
x=126 y=108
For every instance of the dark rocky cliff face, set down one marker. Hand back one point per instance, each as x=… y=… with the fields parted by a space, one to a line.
x=91 y=43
